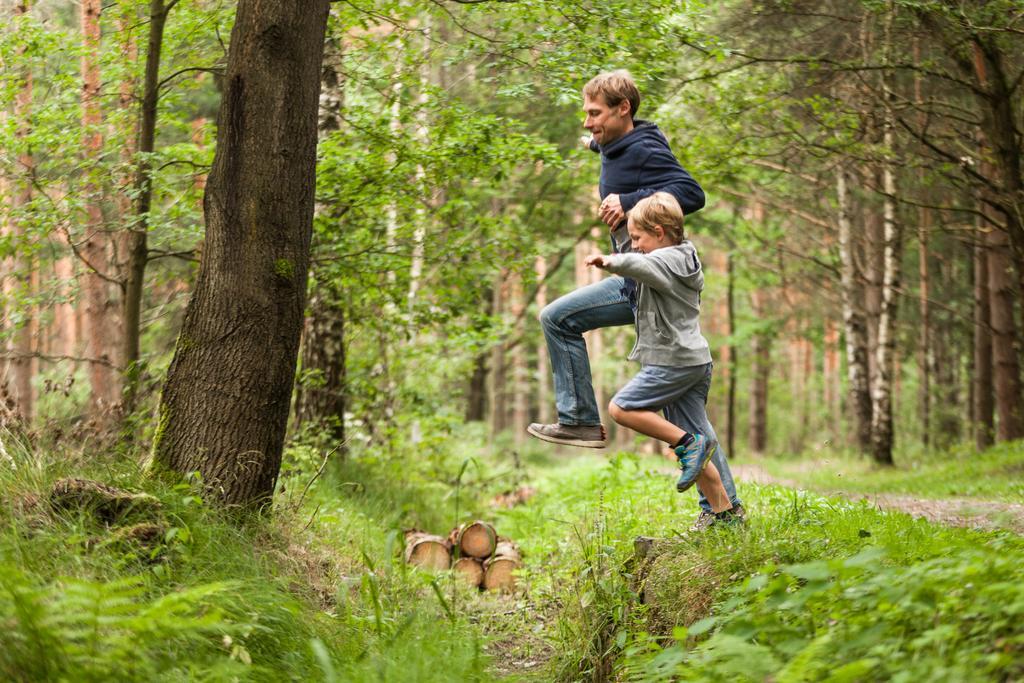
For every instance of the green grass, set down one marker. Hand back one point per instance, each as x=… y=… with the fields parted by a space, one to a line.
x=995 y=474
x=812 y=589
x=287 y=597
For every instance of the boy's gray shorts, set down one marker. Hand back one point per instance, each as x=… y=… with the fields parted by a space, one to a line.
x=657 y=386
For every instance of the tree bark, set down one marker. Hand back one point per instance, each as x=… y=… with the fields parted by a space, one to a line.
x=882 y=432
x=854 y=319
x=520 y=372
x=984 y=407
x=734 y=357
x=761 y=353
x=137 y=251
x=1005 y=361
x=543 y=376
x=498 y=380
x=225 y=404
x=321 y=396
x=18 y=285
x=98 y=280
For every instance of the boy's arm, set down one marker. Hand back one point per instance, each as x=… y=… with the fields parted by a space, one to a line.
x=664 y=173
x=649 y=269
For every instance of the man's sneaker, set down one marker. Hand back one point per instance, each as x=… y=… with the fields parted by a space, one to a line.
x=706 y=519
x=585 y=436
x=693 y=457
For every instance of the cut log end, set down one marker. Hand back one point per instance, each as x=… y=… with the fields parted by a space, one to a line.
x=478 y=540
x=499 y=575
x=470 y=570
x=428 y=551
x=498 y=570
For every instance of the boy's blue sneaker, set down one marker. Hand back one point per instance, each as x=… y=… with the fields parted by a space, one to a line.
x=693 y=457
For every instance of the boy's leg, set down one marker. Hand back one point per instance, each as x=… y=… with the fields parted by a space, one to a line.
x=690 y=413
x=709 y=483
x=564 y=321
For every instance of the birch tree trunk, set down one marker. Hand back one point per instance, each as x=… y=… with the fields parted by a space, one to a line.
x=854 y=320
x=225 y=404
x=882 y=432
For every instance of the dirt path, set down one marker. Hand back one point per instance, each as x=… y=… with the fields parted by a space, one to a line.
x=966 y=512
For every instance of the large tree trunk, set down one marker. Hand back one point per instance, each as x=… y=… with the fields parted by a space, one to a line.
x=1006 y=363
x=225 y=404
x=1002 y=310
x=98 y=281
x=854 y=319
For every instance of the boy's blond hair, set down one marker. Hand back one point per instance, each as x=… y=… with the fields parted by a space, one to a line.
x=661 y=209
x=614 y=87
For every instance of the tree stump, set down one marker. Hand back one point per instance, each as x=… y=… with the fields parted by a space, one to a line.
x=499 y=567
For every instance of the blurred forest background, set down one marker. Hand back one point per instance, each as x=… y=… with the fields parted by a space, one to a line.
x=863 y=238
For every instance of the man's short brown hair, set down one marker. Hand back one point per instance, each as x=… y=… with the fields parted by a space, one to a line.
x=614 y=87
x=662 y=209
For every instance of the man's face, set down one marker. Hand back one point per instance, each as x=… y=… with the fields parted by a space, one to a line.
x=606 y=124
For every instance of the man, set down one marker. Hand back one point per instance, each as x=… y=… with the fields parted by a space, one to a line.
x=636 y=162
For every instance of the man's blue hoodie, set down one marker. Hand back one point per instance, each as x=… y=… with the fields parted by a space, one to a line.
x=639 y=164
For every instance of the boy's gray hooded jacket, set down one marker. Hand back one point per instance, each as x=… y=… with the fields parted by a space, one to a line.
x=668 y=308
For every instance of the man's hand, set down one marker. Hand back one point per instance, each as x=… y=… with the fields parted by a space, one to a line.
x=611 y=211
x=599 y=260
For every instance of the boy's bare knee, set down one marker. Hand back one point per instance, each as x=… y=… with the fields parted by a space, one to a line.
x=616 y=412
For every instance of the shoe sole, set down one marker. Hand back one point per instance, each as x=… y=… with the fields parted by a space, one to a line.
x=682 y=488
x=566 y=442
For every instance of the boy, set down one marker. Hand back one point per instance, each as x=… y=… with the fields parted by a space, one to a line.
x=676 y=361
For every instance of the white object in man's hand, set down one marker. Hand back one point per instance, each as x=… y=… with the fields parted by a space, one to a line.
x=611 y=211
x=585 y=141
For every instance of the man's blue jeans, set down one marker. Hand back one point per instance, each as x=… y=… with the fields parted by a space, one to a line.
x=602 y=304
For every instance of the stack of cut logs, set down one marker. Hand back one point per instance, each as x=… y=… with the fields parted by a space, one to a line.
x=474 y=550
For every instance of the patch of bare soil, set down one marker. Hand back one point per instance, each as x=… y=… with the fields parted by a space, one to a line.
x=964 y=512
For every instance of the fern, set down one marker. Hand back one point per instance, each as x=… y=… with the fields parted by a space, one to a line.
x=90 y=630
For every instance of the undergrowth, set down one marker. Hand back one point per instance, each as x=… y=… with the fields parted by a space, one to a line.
x=811 y=589
x=291 y=596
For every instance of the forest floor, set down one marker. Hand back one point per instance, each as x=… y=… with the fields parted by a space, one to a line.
x=970 y=512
